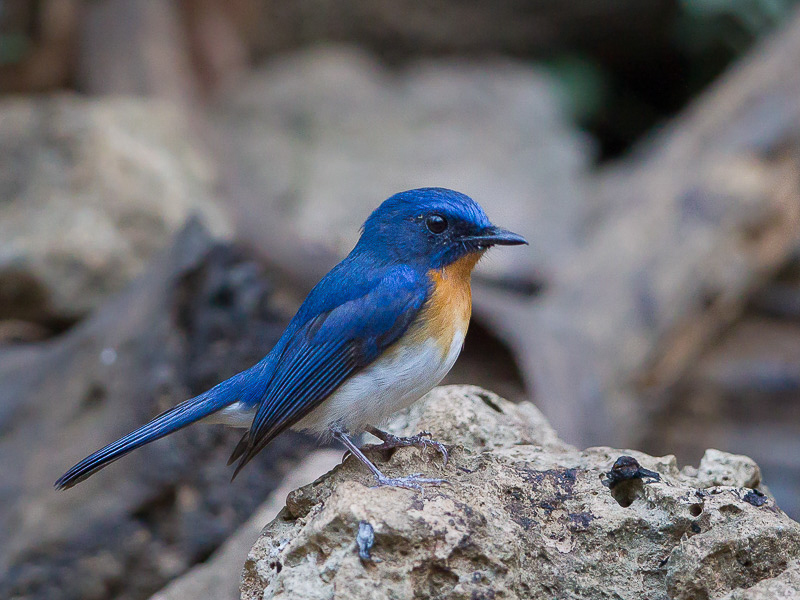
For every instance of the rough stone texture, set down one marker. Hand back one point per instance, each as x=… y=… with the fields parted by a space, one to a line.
x=202 y=312
x=319 y=138
x=722 y=468
x=784 y=585
x=524 y=516
x=90 y=190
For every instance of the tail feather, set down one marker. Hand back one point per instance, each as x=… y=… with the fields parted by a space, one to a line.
x=176 y=418
x=240 y=448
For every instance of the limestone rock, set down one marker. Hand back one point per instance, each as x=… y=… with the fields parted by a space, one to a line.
x=90 y=189
x=524 y=516
x=721 y=468
x=784 y=585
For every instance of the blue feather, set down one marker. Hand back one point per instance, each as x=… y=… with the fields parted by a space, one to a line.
x=177 y=417
x=331 y=346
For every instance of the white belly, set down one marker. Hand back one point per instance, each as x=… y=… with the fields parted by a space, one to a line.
x=391 y=383
x=234 y=415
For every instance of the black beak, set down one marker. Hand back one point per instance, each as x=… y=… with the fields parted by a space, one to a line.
x=496 y=236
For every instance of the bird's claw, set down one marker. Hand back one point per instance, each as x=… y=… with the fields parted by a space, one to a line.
x=421 y=440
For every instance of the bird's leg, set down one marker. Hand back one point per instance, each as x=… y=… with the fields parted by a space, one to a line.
x=421 y=440
x=412 y=482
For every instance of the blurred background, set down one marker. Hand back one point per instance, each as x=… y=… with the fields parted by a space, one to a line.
x=175 y=176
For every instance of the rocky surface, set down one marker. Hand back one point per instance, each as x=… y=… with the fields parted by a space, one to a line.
x=202 y=312
x=527 y=516
x=90 y=190
x=785 y=585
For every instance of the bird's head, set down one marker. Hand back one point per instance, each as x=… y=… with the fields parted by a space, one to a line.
x=431 y=227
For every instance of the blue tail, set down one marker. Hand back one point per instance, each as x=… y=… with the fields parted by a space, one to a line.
x=175 y=418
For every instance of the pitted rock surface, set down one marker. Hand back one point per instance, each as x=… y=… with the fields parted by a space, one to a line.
x=524 y=516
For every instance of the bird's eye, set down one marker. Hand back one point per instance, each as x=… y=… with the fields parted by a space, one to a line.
x=436 y=223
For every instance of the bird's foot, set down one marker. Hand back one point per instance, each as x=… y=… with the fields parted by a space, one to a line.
x=410 y=482
x=421 y=440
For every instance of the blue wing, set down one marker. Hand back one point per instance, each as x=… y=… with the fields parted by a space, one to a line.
x=331 y=346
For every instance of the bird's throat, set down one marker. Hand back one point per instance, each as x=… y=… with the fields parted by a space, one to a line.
x=449 y=307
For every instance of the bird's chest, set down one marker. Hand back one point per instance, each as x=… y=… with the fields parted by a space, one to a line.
x=449 y=307
x=404 y=374
x=412 y=366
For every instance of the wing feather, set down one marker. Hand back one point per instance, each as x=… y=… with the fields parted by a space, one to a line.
x=327 y=350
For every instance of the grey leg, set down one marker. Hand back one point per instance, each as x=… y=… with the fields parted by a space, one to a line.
x=412 y=482
x=421 y=440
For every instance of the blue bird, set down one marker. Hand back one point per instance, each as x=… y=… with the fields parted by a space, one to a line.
x=380 y=330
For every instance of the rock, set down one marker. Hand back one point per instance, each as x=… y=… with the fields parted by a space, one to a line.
x=524 y=516
x=91 y=189
x=784 y=585
x=721 y=468
x=202 y=312
x=318 y=138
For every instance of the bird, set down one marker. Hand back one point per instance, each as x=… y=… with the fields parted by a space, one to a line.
x=379 y=331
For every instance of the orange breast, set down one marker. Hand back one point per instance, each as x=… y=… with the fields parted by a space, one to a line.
x=450 y=305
